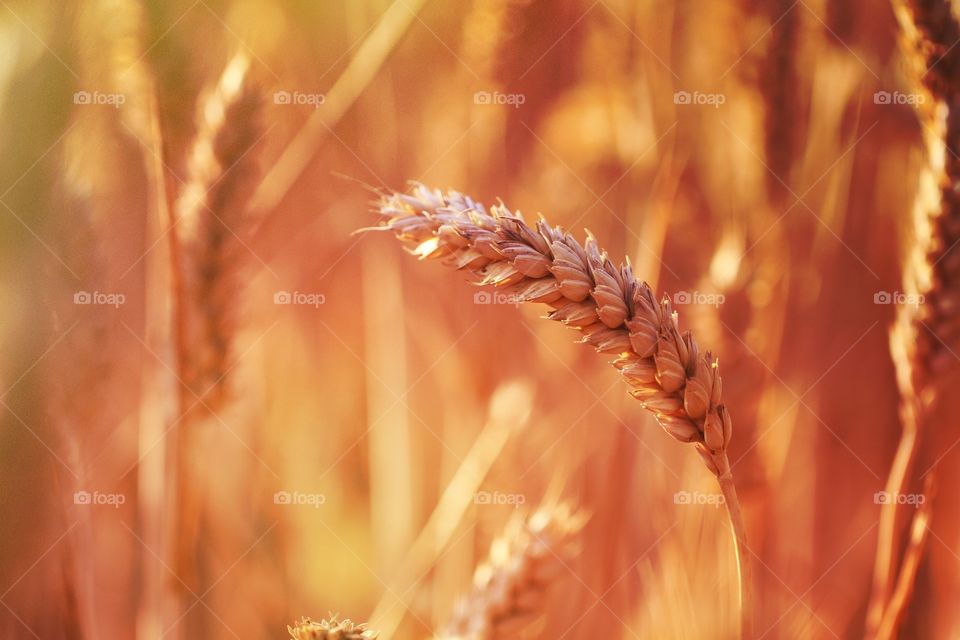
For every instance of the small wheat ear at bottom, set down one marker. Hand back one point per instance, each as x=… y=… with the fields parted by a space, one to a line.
x=616 y=314
x=331 y=629
x=511 y=587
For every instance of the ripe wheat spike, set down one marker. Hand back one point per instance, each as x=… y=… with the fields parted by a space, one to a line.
x=617 y=314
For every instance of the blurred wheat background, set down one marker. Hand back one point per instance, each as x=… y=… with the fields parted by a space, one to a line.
x=222 y=410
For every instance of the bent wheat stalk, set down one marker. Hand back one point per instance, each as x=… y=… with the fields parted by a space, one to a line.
x=616 y=314
x=510 y=587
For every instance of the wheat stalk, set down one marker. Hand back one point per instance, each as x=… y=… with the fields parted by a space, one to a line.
x=922 y=334
x=616 y=314
x=912 y=557
x=331 y=629
x=370 y=56
x=122 y=25
x=510 y=587
x=203 y=249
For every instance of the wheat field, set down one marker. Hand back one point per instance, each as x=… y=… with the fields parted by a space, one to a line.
x=276 y=281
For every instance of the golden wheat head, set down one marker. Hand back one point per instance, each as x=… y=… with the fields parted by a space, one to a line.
x=617 y=314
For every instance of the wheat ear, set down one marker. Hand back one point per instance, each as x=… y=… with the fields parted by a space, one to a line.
x=617 y=314
x=331 y=629
x=207 y=210
x=510 y=587
x=930 y=30
x=922 y=335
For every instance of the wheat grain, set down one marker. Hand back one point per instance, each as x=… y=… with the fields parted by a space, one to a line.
x=616 y=314
x=331 y=629
x=510 y=588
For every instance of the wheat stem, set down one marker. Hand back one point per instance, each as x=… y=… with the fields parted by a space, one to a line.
x=903 y=462
x=370 y=56
x=744 y=565
x=900 y=597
